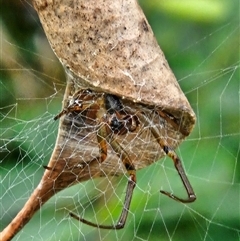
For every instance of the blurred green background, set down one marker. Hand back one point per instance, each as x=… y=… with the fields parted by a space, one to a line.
x=201 y=41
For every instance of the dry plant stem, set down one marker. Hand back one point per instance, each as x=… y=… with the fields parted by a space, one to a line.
x=58 y=176
x=61 y=172
x=41 y=194
x=52 y=182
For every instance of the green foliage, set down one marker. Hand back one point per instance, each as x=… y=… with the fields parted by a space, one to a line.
x=201 y=42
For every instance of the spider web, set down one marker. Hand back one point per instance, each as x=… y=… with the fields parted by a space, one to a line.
x=205 y=58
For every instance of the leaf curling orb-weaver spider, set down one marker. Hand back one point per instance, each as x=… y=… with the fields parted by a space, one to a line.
x=116 y=118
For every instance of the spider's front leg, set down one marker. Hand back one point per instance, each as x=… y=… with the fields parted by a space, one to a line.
x=104 y=135
x=177 y=162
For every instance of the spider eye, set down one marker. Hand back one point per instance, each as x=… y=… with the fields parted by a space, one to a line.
x=122 y=126
x=115 y=124
x=87 y=91
x=77 y=102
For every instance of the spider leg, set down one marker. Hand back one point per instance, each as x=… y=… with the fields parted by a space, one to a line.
x=102 y=136
x=123 y=217
x=72 y=108
x=177 y=163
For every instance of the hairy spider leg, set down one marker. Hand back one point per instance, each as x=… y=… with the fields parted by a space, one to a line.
x=103 y=135
x=73 y=108
x=177 y=162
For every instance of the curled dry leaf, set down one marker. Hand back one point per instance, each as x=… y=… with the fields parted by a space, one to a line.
x=108 y=47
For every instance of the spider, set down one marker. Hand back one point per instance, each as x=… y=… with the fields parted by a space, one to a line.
x=115 y=120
